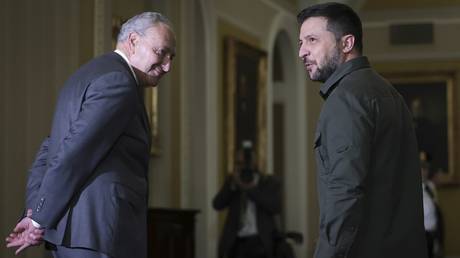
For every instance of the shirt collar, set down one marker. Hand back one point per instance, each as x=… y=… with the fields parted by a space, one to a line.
x=344 y=69
x=127 y=61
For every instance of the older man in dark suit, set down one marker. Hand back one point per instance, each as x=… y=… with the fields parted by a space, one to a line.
x=87 y=189
x=370 y=197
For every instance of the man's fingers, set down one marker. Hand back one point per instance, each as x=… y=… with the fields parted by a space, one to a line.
x=14 y=243
x=38 y=231
x=24 y=235
x=35 y=237
x=35 y=242
x=24 y=246
x=19 y=228
x=12 y=237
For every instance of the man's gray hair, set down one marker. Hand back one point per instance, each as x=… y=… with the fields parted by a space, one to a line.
x=140 y=23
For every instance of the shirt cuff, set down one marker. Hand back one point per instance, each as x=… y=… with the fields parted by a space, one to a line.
x=35 y=224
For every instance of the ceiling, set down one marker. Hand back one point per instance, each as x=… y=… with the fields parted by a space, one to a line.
x=378 y=5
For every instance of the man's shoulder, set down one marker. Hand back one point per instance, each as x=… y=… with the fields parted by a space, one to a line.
x=101 y=65
x=104 y=66
x=361 y=79
x=110 y=61
x=364 y=84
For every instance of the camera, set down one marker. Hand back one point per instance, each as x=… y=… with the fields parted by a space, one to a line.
x=247 y=171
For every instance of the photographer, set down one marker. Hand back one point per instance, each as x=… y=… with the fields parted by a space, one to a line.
x=252 y=199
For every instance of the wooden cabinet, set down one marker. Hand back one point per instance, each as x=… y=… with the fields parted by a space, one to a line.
x=171 y=233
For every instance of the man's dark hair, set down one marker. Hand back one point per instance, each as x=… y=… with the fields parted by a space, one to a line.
x=341 y=20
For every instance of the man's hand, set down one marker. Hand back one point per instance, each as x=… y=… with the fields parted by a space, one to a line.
x=25 y=235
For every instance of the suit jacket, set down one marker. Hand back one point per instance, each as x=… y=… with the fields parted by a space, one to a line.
x=88 y=184
x=267 y=199
x=368 y=169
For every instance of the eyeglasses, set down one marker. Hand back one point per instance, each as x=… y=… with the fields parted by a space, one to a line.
x=163 y=53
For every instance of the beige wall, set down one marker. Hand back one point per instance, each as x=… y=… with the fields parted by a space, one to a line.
x=40 y=48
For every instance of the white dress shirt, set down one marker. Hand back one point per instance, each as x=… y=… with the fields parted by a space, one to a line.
x=429 y=210
x=249 y=217
x=127 y=61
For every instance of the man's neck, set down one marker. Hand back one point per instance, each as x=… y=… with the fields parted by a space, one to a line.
x=124 y=56
x=352 y=55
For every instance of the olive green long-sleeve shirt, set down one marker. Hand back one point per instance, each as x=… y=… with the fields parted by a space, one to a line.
x=368 y=169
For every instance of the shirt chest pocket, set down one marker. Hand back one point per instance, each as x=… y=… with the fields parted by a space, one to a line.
x=322 y=159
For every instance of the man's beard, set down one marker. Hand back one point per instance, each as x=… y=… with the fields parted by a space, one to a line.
x=329 y=67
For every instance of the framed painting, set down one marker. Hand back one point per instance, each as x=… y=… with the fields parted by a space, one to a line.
x=151 y=104
x=245 y=100
x=430 y=100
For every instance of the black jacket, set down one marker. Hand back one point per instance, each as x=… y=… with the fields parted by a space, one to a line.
x=368 y=169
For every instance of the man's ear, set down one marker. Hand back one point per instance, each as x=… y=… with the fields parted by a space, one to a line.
x=348 y=42
x=133 y=40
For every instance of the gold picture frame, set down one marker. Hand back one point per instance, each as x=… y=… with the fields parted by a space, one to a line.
x=245 y=100
x=151 y=105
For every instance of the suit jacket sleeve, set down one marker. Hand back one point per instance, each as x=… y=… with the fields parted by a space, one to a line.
x=107 y=108
x=36 y=174
x=349 y=130
x=267 y=195
x=225 y=195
